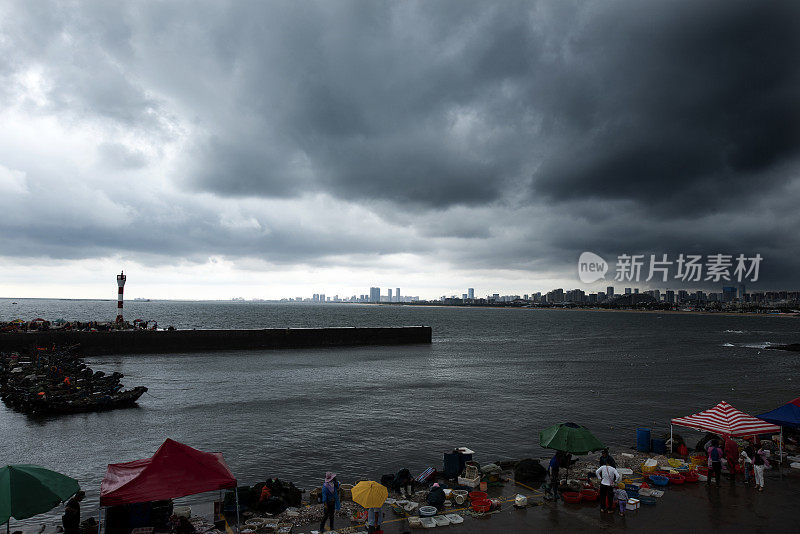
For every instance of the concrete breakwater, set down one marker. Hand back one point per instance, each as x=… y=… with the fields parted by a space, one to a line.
x=149 y=341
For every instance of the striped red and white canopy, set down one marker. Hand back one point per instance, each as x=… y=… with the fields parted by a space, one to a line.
x=725 y=419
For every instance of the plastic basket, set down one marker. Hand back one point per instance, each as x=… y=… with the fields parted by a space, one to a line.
x=699 y=460
x=647 y=469
x=481 y=505
x=589 y=495
x=571 y=497
x=676 y=479
x=659 y=480
x=674 y=462
x=691 y=476
x=478 y=495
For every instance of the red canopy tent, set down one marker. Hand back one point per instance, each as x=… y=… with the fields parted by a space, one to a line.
x=175 y=470
x=727 y=420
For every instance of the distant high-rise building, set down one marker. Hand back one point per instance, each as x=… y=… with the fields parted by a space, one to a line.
x=742 y=293
x=728 y=294
x=610 y=291
x=635 y=290
x=397 y=295
x=669 y=296
x=374 y=294
x=322 y=297
x=390 y=294
x=471 y=293
x=627 y=291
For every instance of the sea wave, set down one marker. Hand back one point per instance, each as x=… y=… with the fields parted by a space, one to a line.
x=762 y=345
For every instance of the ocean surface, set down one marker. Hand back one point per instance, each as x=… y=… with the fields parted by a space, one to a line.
x=491 y=380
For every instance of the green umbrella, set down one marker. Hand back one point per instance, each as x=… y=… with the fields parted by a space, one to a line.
x=569 y=437
x=28 y=490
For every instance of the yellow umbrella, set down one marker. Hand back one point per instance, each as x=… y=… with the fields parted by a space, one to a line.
x=370 y=494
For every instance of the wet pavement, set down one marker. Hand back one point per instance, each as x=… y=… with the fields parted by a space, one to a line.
x=694 y=507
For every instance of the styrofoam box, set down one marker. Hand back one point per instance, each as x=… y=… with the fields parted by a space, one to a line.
x=471 y=482
x=633 y=504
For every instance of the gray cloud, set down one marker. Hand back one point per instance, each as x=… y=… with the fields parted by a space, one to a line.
x=512 y=135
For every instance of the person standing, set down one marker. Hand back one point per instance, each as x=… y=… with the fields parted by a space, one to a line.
x=746 y=459
x=731 y=456
x=607 y=459
x=330 y=499
x=714 y=462
x=760 y=462
x=374 y=519
x=71 y=520
x=609 y=476
x=552 y=470
x=622 y=500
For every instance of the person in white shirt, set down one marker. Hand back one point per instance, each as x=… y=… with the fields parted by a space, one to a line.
x=609 y=477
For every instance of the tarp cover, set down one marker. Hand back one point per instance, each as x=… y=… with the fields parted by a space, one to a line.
x=175 y=470
x=786 y=415
x=725 y=419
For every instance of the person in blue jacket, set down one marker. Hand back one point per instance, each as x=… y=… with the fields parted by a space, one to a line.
x=330 y=499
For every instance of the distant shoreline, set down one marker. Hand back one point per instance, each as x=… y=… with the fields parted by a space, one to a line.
x=793 y=315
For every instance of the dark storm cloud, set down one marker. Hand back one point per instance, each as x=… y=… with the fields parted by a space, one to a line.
x=694 y=103
x=494 y=135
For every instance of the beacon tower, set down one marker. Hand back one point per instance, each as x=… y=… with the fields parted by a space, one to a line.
x=120 y=286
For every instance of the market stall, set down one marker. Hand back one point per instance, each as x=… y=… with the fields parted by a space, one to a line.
x=726 y=420
x=786 y=415
x=175 y=470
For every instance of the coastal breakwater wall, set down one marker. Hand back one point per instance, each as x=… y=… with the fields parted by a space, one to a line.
x=160 y=341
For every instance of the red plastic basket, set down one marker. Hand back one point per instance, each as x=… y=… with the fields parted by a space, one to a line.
x=691 y=476
x=571 y=496
x=481 y=505
x=478 y=495
x=589 y=494
x=675 y=479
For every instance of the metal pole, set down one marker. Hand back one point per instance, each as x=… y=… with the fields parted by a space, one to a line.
x=236 y=495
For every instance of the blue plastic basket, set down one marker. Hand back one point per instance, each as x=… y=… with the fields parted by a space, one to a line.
x=658 y=480
x=632 y=494
x=647 y=500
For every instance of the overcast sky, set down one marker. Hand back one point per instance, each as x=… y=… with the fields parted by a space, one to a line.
x=273 y=149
